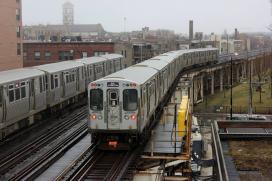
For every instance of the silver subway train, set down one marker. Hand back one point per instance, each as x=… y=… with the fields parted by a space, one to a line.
x=122 y=104
x=26 y=93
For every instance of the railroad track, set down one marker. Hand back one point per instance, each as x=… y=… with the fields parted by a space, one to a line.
x=31 y=171
x=9 y=161
x=95 y=164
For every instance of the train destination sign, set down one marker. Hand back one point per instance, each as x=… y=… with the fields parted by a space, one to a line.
x=112 y=84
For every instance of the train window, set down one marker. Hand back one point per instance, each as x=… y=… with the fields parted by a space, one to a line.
x=90 y=72
x=113 y=95
x=11 y=86
x=17 y=94
x=1 y=96
x=67 y=78
x=86 y=71
x=73 y=77
x=113 y=99
x=96 y=99
x=56 y=81
x=46 y=82
x=52 y=82
x=130 y=100
x=23 y=92
x=43 y=78
x=70 y=78
x=41 y=87
x=142 y=98
x=11 y=95
x=98 y=70
x=82 y=73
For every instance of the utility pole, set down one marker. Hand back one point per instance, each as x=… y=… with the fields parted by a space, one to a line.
x=141 y=45
x=227 y=44
x=125 y=19
x=250 y=88
x=230 y=87
x=271 y=80
x=270 y=71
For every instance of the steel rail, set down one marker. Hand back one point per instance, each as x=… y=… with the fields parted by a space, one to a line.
x=11 y=160
x=31 y=171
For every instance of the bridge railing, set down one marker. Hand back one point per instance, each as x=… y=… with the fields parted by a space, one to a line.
x=243 y=55
x=235 y=109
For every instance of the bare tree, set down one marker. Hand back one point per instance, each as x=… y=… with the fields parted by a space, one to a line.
x=260 y=72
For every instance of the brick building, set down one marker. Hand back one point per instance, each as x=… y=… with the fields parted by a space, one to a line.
x=126 y=50
x=43 y=53
x=54 y=33
x=10 y=34
x=141 y=52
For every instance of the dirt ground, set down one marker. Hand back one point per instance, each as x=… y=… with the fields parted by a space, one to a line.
x=252 y=156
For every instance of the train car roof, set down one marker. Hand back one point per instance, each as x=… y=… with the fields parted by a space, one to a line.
x=167 y=57
x=91 y=60
x=138 y=74
x=59 y=66
x=18 y=74
x=155 y=63
x=196 y=50
x=112 y=56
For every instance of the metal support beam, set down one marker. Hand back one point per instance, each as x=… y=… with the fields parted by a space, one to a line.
x=212 y=83
x=221 y=80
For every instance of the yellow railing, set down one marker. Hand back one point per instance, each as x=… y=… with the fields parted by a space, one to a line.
x=182 y=116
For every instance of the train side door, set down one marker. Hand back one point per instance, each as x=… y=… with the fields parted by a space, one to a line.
x=31 y=94
x=113 y=109
x=77 y=79
x=1 y=104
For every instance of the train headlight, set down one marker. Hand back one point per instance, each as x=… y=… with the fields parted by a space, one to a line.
x=133 y=117
x=93 y=117
x=126 y=117
x=99 y=117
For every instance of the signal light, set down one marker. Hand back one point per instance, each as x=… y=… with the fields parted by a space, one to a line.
x=133 y=117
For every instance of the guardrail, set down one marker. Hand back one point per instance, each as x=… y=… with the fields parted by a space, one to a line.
x=235 y=109
x=220 y=166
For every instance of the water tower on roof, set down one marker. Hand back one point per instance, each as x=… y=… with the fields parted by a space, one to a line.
x=68 y=13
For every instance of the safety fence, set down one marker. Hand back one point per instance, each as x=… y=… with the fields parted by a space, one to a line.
x=235 y=109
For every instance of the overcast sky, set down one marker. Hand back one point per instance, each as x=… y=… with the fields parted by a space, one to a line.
x=208 y=15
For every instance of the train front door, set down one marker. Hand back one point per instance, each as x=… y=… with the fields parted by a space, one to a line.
x=113 y=109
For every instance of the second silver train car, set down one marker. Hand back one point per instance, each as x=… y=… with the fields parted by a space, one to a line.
x=26 y=93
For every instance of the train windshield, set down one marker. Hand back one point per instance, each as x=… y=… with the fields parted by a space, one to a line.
x=130 y=98
x=96 y=99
